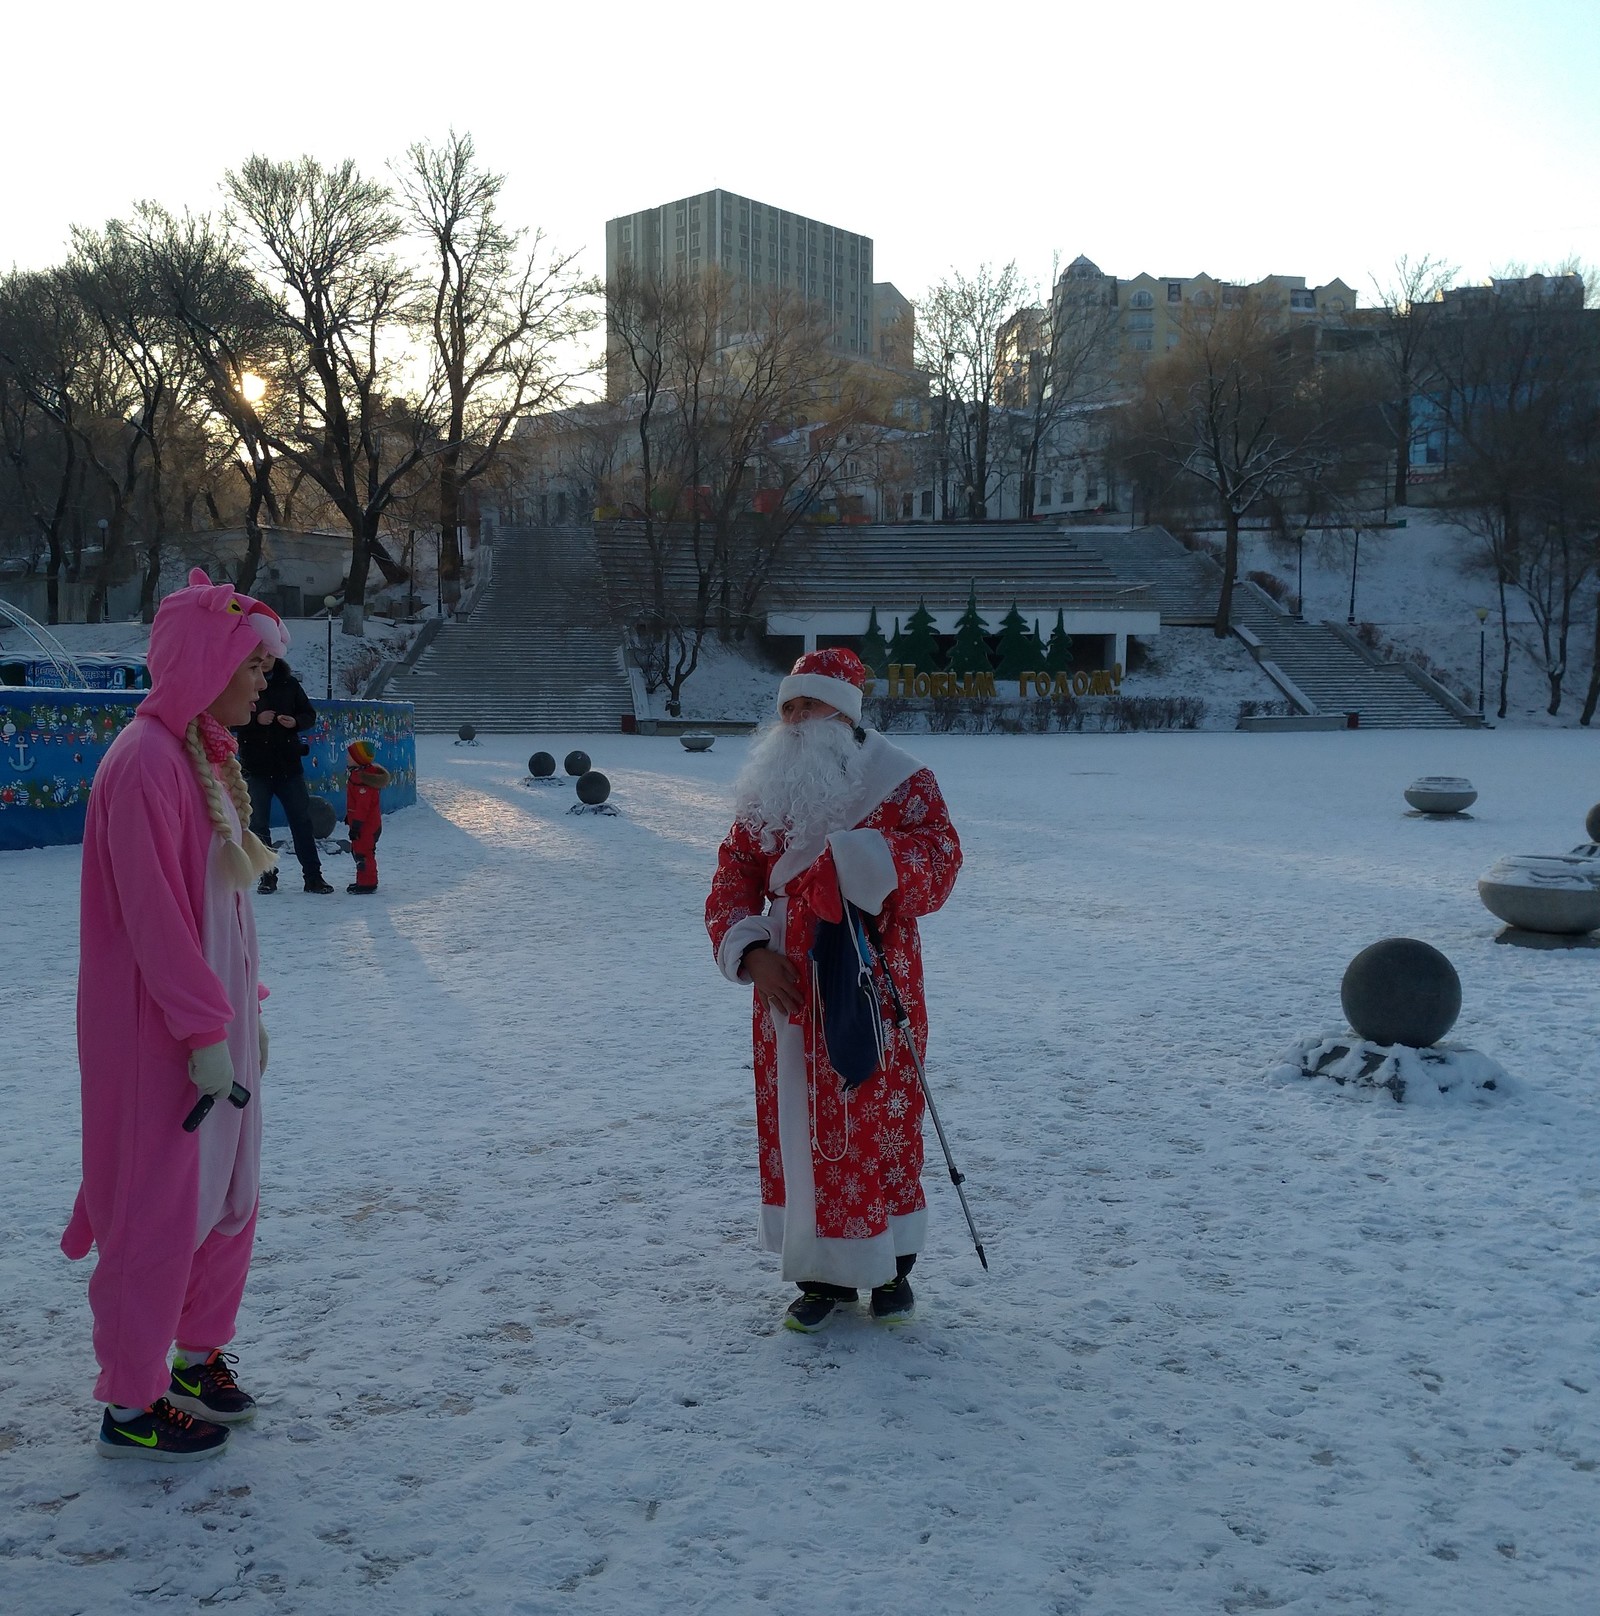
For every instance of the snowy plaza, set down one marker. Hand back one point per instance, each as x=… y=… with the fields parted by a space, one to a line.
x=1246 y=1344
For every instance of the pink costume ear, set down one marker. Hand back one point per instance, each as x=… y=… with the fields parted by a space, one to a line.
x=198 y=576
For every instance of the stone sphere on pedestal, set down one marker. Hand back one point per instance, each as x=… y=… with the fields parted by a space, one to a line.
x=576 y=763
x=593 y=788
x=1591 y=824
x=1441 y=794
x=323 y=818
x=466 y=732
x=1558 y=893
x=1401 y=991
x=541 y=765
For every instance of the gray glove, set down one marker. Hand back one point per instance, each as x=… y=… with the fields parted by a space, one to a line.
x=211 y=1069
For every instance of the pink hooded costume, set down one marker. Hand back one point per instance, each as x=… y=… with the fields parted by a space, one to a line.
x=168 y=964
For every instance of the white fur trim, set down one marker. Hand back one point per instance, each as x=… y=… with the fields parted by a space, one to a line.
x=866 y=867
x=838 y=693
x=736 y=939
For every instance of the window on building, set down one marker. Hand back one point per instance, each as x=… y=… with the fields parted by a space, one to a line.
x=1302 y=297
x=1046 y=491
x=1174 y=291
x=1336 y=305
x=1141 y=299
x=1142 y=343
x=1202 y=299
x=1141 y=322
x=905 y=507
x=1091 y=491
x=927 y=502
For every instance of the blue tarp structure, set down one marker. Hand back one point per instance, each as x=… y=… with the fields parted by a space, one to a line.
x=51 y=742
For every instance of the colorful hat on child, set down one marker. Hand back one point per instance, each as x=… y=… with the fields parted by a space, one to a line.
x=362 y=753
x=834 y=675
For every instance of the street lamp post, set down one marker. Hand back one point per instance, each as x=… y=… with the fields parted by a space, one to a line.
x=1300 y=580
x=329 y=602
x=1483 y=618
x=1355 y=557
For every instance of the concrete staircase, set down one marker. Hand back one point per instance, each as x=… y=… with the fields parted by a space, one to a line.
x=1335 y=674
x=1325 y=664
x=535 y=656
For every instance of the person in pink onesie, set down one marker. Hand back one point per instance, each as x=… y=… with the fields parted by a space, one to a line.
x=168 y=1010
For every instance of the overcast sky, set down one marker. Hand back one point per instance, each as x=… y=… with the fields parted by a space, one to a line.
x=1230 y=136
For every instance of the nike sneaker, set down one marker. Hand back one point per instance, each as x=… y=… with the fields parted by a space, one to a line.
x=163 y=1433
x=208 y=1390
x=893 y=1303
x=812 y=1309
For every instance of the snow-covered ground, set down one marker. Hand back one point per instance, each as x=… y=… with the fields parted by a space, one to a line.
x=1418 y=586
x=1244 y=1345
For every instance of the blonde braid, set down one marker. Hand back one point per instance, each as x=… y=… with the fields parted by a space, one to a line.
x=243 y=863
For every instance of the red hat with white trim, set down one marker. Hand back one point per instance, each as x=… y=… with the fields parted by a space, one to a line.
x=834 y=675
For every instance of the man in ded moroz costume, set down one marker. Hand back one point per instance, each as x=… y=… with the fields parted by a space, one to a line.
x=169 y=1010
x=826 y=810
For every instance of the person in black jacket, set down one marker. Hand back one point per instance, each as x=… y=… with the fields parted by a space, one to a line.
x=270 y=750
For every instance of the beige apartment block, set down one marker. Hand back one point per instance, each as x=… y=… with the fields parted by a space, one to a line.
x=1151 y=309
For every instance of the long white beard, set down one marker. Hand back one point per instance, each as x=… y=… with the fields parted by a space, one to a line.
x=800 y=781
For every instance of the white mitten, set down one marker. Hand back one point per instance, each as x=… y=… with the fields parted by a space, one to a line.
x=261 y=1035
x=211 y=1069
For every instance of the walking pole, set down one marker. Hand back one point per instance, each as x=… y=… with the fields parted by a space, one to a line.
x=903 y=1021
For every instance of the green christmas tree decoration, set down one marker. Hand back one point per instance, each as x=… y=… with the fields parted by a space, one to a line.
x=970 y=653
x=874 y=648
x=897 y=642
x=1038 y=645
x=1016 y=652
x=1058 y=653
x=920 y=644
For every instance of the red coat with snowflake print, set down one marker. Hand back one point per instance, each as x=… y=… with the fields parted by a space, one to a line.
x=866 y=1147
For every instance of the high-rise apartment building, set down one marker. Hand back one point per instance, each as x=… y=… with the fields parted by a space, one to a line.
x=759 y=246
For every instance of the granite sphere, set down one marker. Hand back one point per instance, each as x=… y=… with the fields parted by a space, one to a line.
x=593 y=788
x=541 y=765
x=323 y=818
x=577 y=763
x=1591 y=824
x=466 y=732
x=1401 y=991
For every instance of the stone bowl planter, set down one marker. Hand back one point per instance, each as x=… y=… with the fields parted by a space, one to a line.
x=1542 y=892
x=1441 y=794
x=696 y=741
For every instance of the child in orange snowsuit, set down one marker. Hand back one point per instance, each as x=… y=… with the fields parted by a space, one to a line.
x=363 y=812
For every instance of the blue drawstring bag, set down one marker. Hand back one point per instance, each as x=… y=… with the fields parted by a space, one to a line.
x=842 y=984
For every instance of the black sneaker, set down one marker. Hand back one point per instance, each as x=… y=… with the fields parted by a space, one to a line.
x=163 y=1433
x=893 y=1303
x=208 y=1390
x=315 y=883
x=267 y=884
x=813 y=1307
x=356 y=886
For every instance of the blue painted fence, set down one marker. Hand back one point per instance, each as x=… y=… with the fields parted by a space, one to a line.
x=51 y=742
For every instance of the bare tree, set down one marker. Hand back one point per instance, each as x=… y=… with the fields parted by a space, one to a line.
x=1243 y=411
x=1518 y=377
x=958 y=321
x=319 y=239
x=44 y=342
x=1070 y=367
x=1407 y=303
x=742 y=411
x=504 y=322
